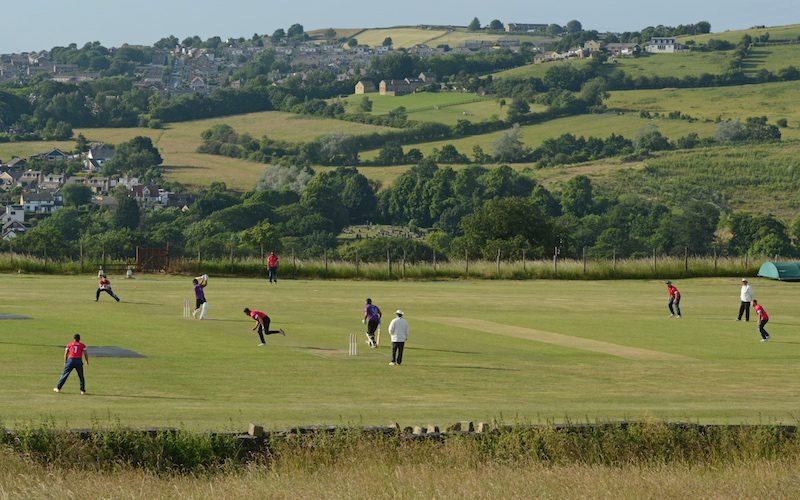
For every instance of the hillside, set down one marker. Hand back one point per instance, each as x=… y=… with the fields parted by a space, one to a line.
x=408 y=36
x=776 y=33
x=586 y=125
x=773 y=100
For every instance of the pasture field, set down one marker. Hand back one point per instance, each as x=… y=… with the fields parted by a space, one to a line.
x=583 y=125
x=677 y=65
x=402 y=37
x=537 y=70
x=533 y=351
x=178 y=142
x=442 y=107
x=773 y=100
x=772 y=58
x=787 y=32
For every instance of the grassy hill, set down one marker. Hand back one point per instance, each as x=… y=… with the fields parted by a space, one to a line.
x=586 y=125
x=442 y=107
x=787 y=32
x=773 y=100
x=178 y=143
x=408 y=36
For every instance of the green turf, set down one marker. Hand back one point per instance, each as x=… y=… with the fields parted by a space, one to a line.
x=604 y=125
x=773 y=100
x=211 y=374
x=788 y=32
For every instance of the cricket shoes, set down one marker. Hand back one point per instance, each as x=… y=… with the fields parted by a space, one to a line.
x=56 y=389
x=679 y=316
x=261 y=344
x=670 y=316
x=83 y=393
x=764 y=340
x=391 y=363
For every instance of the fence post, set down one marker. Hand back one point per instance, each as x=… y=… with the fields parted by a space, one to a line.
x=686 y=260
x=81 y=247
x=388 y=264
x=584 y=260
x=498 y=262
x=715 y=259
x=614 y=258
x=262 y=255
x=325 y=255
x=356 y=262
x=746 y=261
x=198 y=256
x=434 y=262
x=555 y=261
x=524 y=269
x=654 y=261
x=294 y=265
x=404 y=263
x=466 y=262
x=104 y=254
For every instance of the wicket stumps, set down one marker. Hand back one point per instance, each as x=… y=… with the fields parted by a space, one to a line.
x=187 y=309
x=353 y=345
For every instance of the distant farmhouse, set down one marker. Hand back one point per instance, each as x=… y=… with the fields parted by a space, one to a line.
x=365 y=87
x=664 y=45
x=623 y=49
x=399 y=87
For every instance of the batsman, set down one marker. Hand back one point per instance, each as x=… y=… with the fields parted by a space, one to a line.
x=201 y=306
x=372 y=318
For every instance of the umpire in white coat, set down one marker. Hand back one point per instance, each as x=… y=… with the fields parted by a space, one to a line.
x=398 y=329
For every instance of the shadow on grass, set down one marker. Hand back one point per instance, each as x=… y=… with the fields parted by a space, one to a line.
x=33 y=345
x=438 y=350
x=134 y=396
x=470 y=367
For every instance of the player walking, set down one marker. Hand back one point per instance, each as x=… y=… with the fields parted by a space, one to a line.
x=372 y=318
x=674 y=300
x=200 y=304
x=262 y=325
x=104 y=285
x=72 y=361
x=763 y=317
x=398 y=329
x=272 y=267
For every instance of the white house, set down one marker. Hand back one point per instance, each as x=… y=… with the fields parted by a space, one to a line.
x=663 y=45
x=44 y=202
x=12 y=213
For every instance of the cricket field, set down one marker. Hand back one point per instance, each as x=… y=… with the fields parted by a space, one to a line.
x=516 y=351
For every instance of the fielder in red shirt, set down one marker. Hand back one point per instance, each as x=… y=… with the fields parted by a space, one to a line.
x=72 y=361
x=104 y=285
x=763 y=317
x=262 y=325
x=674 y=300
x=272 y=267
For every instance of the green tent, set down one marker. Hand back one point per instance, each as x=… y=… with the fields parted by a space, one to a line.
x=784 y=271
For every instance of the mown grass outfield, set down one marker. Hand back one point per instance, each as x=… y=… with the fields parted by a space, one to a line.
x=533 y=350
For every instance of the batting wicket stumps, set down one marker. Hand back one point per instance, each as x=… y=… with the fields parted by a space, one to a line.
x=187 y=309
x=353 y=345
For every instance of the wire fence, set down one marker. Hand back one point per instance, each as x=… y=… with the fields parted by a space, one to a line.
x=292 y=267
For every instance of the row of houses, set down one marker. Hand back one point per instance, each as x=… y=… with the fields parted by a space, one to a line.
x=654 y=46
